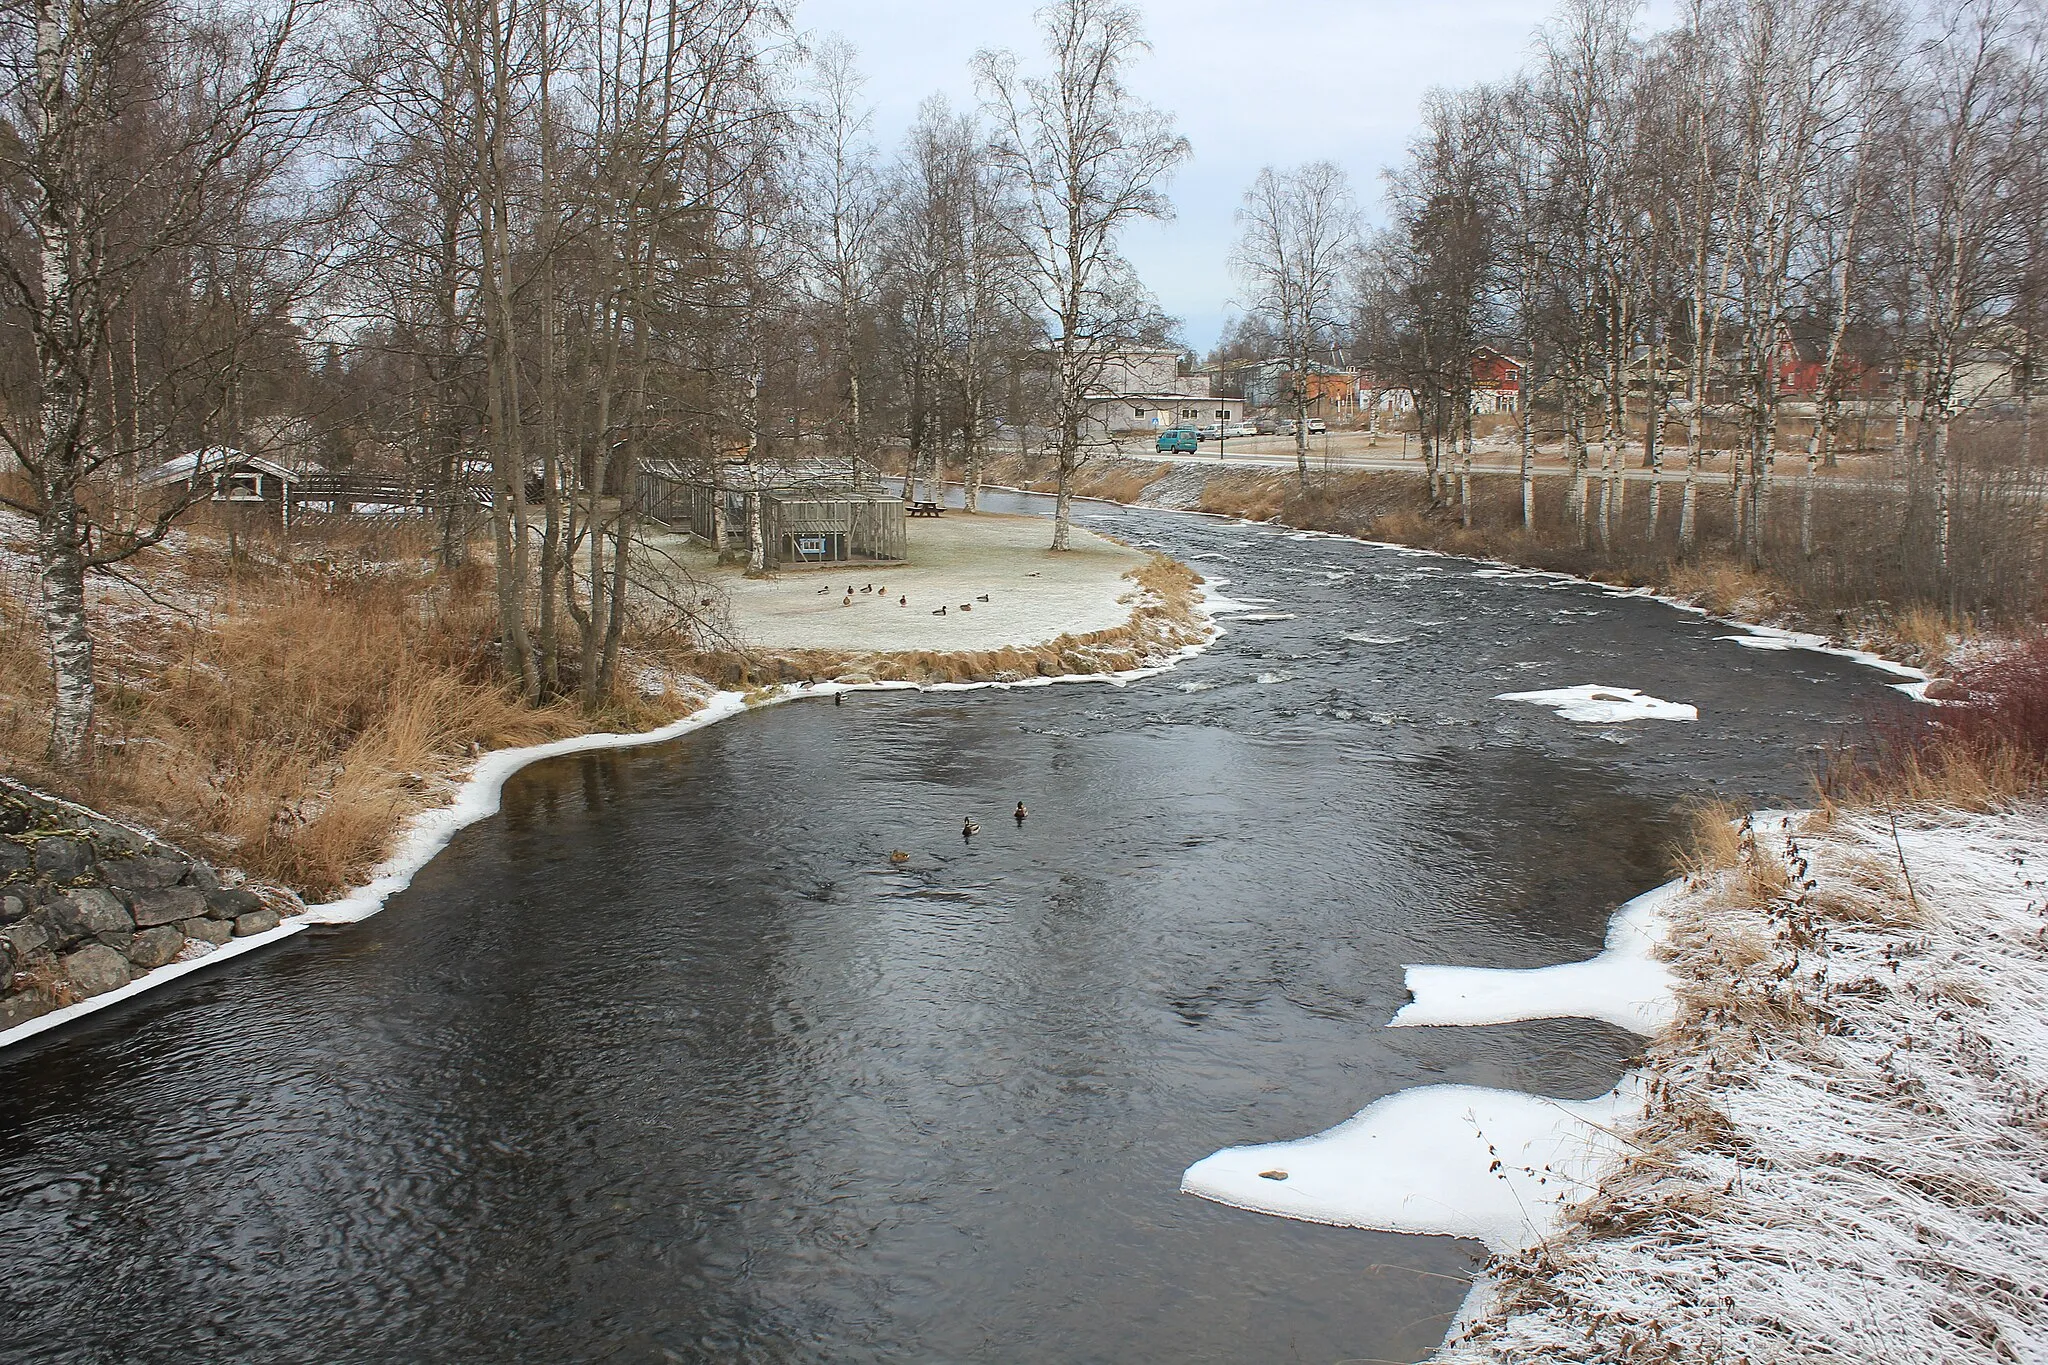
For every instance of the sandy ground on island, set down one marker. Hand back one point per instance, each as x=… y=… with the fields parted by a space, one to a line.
x=1034 y=594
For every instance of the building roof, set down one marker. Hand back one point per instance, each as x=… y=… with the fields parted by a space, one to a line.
x=213 y=462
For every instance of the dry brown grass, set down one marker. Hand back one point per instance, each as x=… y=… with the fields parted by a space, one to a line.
x=1712 y=841
x=1726 y=588
x=1954 y=774
x=1923 y=636
x=291 y=718
x=1119 y=482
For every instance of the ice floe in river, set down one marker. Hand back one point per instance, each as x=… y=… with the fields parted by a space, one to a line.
x=1625 y=985
x=1456 y=1160
x=1360 y=638
x=1598 y=705
x=1466 y=1161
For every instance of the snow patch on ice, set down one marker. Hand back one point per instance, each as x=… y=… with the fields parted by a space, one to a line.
x=1594 y=704
x=1625 y=985
x=1455 y=1160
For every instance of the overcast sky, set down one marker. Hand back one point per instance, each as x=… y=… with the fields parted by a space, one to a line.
x=1249 y=85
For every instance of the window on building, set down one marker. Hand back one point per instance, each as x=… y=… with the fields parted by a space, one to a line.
x=1137 y=411
x=242 y=486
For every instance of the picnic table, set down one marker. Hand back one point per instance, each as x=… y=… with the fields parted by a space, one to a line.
x=925 y=509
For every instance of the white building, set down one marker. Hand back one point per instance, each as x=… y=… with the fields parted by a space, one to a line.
x=1143 y=391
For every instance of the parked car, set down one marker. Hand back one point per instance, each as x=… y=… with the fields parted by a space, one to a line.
x=1180 y=440
x=1316 y=427
x=1276 y=426
x=1212 y=432
x=1244 y=429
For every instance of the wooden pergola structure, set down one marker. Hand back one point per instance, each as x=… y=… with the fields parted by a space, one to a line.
x=811 y=513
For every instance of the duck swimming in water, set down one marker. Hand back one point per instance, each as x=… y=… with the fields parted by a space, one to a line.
x=968 y=829
x=898 y=856
x=1021 y=813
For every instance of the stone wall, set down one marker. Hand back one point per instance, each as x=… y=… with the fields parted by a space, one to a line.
x=87 y=905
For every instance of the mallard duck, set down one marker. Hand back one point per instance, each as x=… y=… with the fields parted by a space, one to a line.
x=940 y=612
x=968 y=829
x=982 y=598
x=967 y=606
x=1021 y=812
x=846 y=601
x=903 y=601
x=897 y=855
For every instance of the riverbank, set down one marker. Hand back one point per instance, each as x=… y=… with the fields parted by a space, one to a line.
x=1852 y=589
x=1842 y=1133
x=316 y=719
x=1831 y=1146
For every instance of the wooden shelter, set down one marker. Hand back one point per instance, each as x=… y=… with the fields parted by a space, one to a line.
x=811 y=513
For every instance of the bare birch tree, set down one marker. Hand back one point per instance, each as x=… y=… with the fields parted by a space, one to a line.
x=143 y=146
x=1297 y=243
x=1085 y=159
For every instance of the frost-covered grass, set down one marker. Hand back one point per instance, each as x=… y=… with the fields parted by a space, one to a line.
x=1844 y=1154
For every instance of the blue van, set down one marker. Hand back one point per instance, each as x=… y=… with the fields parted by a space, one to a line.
x=1180 y=440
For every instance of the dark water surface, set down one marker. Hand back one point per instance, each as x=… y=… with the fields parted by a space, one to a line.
x=668 y=1062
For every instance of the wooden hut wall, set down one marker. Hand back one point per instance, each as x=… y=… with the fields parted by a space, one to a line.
x=878 y=529
x=855 y=527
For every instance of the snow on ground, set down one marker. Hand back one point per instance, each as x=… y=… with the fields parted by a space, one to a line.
x=1035 y=595
x=1846 y=1134
x=1594 y=704
x=1625 y=985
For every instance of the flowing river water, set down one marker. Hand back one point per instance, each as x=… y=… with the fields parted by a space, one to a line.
x=668 y=1062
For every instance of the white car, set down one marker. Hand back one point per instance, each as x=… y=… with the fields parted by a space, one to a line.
x=1244 y=429
x=1316 y=427
x=1213 y=432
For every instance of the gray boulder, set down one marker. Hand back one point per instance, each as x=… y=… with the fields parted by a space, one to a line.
x=62 y=858
x=15 y=857
x=203 y=877
x=141 y=874
x=96 y=968
x=168 y=904
x=212 y=931
x=155 y=947
x=87 y=912
x=12 y=908
x=256 y=922
x=24 y=1006
x=232 y=904
x=25 y=939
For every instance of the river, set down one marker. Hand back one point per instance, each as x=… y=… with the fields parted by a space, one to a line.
x=669 y=1062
